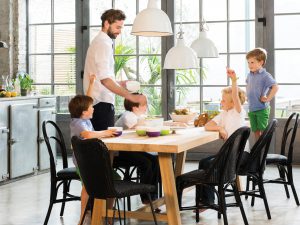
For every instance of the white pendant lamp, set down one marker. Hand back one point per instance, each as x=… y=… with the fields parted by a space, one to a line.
x=181 y=56
x=152 y=22
x=203 y=46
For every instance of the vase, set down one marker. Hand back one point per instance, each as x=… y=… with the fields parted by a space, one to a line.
x=23 y=92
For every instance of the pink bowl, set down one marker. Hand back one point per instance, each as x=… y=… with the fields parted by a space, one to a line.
x=153 y=133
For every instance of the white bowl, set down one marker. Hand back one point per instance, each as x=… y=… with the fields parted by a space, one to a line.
x=183 y=118
x=115 y=128
x=154 y=122
x=133 y=86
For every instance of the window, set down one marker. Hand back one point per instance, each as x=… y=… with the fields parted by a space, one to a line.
x=231 y=27
x=287 y=54
x=51 y=48
x=136 y=58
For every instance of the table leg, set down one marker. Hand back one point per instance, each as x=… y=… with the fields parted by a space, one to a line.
x=180 y=162
x=98 y=212
x=168 y=181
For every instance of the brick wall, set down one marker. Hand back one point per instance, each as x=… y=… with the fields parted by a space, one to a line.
x=13 y=32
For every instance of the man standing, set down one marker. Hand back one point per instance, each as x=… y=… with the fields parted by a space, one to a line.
x=100 y=61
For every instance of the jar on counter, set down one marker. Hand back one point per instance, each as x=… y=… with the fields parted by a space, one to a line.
x=3 y=82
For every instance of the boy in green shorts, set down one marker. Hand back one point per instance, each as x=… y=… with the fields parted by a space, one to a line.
x=261 y=88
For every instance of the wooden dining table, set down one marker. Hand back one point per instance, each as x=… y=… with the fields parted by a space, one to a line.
x=178 y=143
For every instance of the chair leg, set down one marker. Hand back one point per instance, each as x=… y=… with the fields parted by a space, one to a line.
x=264 y=197
x=128 y=203
x=281 y=171
x=223 y=205
x=53 y=195
x=160 y=189
x=152 y=208
x=65 y=190
x=239 y=202
x=291 y=182
x=247 y=187
x=197 y=200
x=124 y=211
x=120 y=218
x=253 y=188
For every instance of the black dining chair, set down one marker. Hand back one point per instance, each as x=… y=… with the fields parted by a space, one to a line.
x=219 y=176
x=96 y=172
x=61 y=177
x=131 y=172
x=284 y=160
x=253 y=166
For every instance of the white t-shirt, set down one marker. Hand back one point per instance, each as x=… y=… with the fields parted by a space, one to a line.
x=127 y=120
x=231 y=120
x=100 y=61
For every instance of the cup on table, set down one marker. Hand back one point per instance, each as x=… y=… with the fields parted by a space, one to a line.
x=119 y=130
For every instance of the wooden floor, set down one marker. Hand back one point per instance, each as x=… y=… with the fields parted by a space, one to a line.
x=25 y=202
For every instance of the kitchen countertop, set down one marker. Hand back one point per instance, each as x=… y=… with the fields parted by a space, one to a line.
x=2 y=99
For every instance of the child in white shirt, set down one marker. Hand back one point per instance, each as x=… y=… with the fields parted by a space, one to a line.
x=231 y=118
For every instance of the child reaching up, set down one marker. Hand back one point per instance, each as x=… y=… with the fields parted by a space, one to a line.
x=231 y=118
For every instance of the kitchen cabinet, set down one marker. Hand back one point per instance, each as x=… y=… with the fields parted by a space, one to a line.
x=22 y=147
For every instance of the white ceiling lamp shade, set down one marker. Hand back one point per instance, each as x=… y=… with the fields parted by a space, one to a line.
x=152 y=22
x=203 y=46
x=181 y=56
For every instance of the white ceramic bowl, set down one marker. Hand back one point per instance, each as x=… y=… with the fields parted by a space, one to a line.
x=133 y=86
x=154 y=122
x=183 y=118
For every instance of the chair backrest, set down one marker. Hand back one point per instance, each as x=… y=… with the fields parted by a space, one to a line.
x=95 y=167
x=288 y=136
x=255 y=163
x=59 y=142
x=224 y=166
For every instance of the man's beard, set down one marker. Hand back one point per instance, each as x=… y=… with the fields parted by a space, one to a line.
x=111 y=34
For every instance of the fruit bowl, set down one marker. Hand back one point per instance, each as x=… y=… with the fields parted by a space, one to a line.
x=183 y=118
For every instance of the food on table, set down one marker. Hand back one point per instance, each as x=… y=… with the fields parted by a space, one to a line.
x=181 y=111
x=203 y=118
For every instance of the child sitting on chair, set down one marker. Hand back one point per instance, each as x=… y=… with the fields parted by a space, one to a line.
x=81 y=111
x=226 y=123
x=145 y=162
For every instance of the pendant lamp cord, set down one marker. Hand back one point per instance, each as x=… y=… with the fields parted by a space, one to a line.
x=180 y=33
x=202 y=25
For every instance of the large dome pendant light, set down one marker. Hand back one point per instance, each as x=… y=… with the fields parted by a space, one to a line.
x=181 y=56
x=152 y=22
x=203 y=46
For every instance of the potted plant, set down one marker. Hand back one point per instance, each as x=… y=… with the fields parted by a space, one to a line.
x=25 y=83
